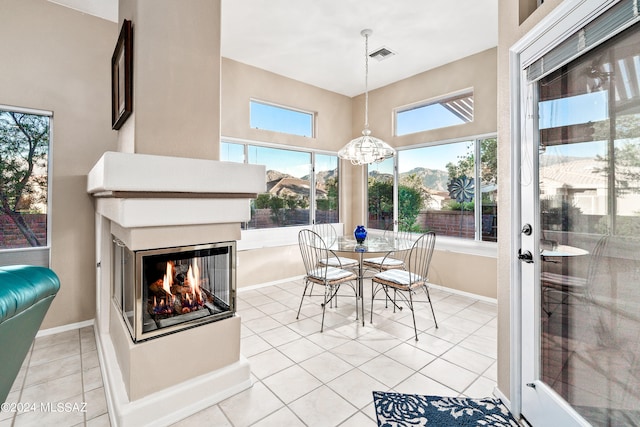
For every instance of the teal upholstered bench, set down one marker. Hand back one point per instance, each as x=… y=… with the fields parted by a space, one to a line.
x=26 y=293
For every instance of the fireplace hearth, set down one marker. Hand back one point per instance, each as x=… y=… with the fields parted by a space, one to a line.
x=161 y=291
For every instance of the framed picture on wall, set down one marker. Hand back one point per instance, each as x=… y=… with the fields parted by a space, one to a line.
x=122 y=77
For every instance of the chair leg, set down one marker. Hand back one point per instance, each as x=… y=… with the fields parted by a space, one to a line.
x=327 y=288
x=426 y=289
x=413 y=314
x=306 y=284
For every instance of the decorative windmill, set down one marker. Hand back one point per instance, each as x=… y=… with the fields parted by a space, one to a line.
x=461 y=189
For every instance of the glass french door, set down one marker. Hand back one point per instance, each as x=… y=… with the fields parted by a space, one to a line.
x=580 y=269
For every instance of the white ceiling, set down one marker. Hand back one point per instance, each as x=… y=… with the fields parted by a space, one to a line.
x=318 y=41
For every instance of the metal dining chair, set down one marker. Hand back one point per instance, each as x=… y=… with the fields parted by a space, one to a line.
x=313 y=250
x=405 y=282
x=391 y=260
x=330 y=235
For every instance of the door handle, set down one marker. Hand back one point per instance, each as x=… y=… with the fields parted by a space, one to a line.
x=525 y=256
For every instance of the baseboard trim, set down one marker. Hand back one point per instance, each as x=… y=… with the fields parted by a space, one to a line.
x=266 y=284
x=463 y=293
x=64 y=328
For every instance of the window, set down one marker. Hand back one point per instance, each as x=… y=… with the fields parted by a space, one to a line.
x=281 y=119
x=24 y=195
x=326 y=175
x=380 y=183
x=436 y=191
x=449 y=111
x=289 y=179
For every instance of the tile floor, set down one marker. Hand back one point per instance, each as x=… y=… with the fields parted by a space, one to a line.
x=301 y=377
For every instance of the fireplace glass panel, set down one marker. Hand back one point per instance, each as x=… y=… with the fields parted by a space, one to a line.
x=175 y=288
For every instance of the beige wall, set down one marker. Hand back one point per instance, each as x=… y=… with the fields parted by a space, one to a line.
x=176 y=102
x=515 y=20
x=57 y=59
x=241 y=82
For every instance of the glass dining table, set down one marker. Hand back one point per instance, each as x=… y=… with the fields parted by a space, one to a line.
x=372 y=245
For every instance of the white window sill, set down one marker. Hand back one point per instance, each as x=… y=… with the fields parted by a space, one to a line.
x=287 y=236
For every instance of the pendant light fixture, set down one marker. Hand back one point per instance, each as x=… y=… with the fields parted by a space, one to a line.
x=366 y=149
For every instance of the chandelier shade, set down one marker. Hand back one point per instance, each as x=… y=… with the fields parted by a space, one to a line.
x=366 y=149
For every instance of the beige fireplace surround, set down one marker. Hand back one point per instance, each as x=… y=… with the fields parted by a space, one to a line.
x=150 y=201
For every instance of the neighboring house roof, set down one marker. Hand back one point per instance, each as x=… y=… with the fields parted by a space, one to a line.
x=292 y=186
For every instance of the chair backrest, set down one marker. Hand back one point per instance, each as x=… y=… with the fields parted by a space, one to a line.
x=402 y=233
x=419 y=257
x=327 y=232
x=313 y=249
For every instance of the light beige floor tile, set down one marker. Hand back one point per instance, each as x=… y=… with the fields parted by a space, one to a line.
x=54 y=352
x=482 y=387
x=54 y=390
x=380 y=341
x=355 y=353
x=90 y=360
x=53 y=412
x=482 y=345
x=211 y=416
x=249 y=313
x=358 y=420
x=492 y=372
x=431 y=344
x=304 y=326
x=411 y=356
x=326 y=366
x=420 y=384
x=322 y=408
x=286 y=317
x=463 y=325
x=300 y=350
x=399 y=330
x=447 y=333
x=475 y=315
x=101 y=421
x=268 y=363
x=273 y=308
x=468 y=359
x=291 y=383
x=262 y=324
x=280 y=418
x=251 y=405
x=96 y=402
x=356 y=386
x=56 y=369
x=386 y=370
x=252 y=345
x=67 y=337
x=280 y=335
x=452 y=376
x=92 y=379
x=328 y=339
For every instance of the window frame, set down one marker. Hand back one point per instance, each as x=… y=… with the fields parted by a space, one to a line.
x=276 y=236
x=313 y=115
x=40 y=255
x=475 y=246
x=427 y=103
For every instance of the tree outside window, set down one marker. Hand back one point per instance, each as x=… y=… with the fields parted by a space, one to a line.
x=24 y=151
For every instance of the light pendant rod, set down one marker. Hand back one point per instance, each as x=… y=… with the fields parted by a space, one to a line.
x=366 y=33
x=366 y=149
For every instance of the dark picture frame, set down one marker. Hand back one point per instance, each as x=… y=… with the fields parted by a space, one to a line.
x=122 y=77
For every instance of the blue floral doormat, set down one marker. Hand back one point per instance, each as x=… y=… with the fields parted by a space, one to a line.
x=413 y=410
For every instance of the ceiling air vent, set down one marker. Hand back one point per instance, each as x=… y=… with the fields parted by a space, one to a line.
x=382 y=53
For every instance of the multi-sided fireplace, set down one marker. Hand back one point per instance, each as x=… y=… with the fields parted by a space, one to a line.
x=160 y=291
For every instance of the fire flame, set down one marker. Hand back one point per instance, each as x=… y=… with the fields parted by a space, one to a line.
x=168 y=278
x=193 y=275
